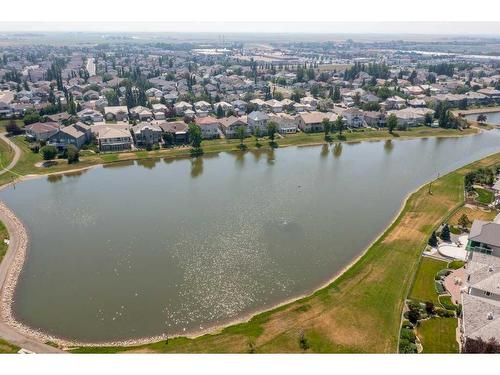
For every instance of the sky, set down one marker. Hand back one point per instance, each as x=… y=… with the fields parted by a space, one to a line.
x=318 y=16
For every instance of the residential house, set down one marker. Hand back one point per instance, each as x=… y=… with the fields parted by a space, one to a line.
x=146 y=133
x=375 y=119
x=41 y=131
x=287 y=124
x=77 y=135
x=229 y=126
x=114 y=139
x=481 y=292
x=181 y=107
x=311 y=122
x=116 y=113
x=310 y=101
x=394 y=102
x=209 y=126
x=257 y=121
x=90 y=115
x=202 y=108
x=240 y=107
x=141 y=113
x=179 y=130
x=159 y=111
x=354 y=118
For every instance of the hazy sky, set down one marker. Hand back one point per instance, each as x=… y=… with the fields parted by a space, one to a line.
x=326 y=16
x=462 y=28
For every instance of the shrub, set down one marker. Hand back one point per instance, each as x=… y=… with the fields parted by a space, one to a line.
x=13 y=128
x=48 y=152
x=413 y=316
x=439 y=287
x=407 y=347
x=446 y=302
x=413 y=305
x=478 y=345
x=429 y=308
x=408 y=334
x=303 y=342
x=72 y=154
x=35 y=147
x=456 y=264
x=442 y=273
x=445 y=313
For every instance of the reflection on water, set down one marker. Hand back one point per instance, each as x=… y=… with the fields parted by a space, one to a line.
x=53 y=178
x=188 y=244
x=196 y=166
x=388 y=146
x=148 y=163
x=119 y=164
x=337 y=150
x=324 y=151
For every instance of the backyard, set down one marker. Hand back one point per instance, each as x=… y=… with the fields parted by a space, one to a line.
x=424 y=289
x=438 y=335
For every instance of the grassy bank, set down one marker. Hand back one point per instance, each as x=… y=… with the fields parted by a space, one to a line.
x=3 y=236
x=358 y=312
x=6 y=348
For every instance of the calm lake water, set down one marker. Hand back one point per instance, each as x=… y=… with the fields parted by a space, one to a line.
x=492 y=118
x=175 y=246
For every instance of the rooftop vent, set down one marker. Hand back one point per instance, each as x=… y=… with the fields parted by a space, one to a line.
x=491 y=268
x=490 y=315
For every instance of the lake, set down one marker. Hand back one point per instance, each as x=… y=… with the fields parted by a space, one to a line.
x=491 y=118
x=172 y=247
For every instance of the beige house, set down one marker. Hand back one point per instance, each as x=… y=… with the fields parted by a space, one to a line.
x=114 y=139
x=116 y=113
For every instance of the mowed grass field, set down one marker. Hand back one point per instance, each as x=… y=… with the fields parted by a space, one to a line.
x=438 y=335
x=423 y=288
x=358 y=312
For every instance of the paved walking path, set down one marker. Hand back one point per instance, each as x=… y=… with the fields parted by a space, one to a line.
x=17 y=153
x=12 y=225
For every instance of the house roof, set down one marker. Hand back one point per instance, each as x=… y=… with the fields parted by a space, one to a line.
x=116 y=109
x=205 y=121
x=485 y=232
x=43 y=127
x=112 y=132
x=174 y=127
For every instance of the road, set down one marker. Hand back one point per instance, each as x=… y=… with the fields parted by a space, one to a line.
x=17 y=153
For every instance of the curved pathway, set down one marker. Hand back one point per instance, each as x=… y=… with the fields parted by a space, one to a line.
x=17 y=153
x=15 y=252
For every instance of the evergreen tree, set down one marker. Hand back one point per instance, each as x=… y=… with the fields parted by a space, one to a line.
x=445 y=233
x=433 y=241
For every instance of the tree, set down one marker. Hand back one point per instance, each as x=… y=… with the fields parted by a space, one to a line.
x=433 y=241
x=195 y=136
x=272 y=128
x=445 y=233
x=339 y=125
x=241 y=132
x=220 y=111
x=428 y=119
x=168 y=138
x=392 y=122
x=481 y=118
x=464 y=221
x=327 y=127
x=12 y=127
x=478 y=345
x=72 y=154
x=336 y=94
x=48 y=152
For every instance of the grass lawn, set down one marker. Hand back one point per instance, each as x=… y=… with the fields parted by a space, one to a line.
x=6 y=348
x=484 y=196
x=6 y=154
x=423 y=288
x=358 y=312
x=3 y=235
x=472 y=214
x=438 y=335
